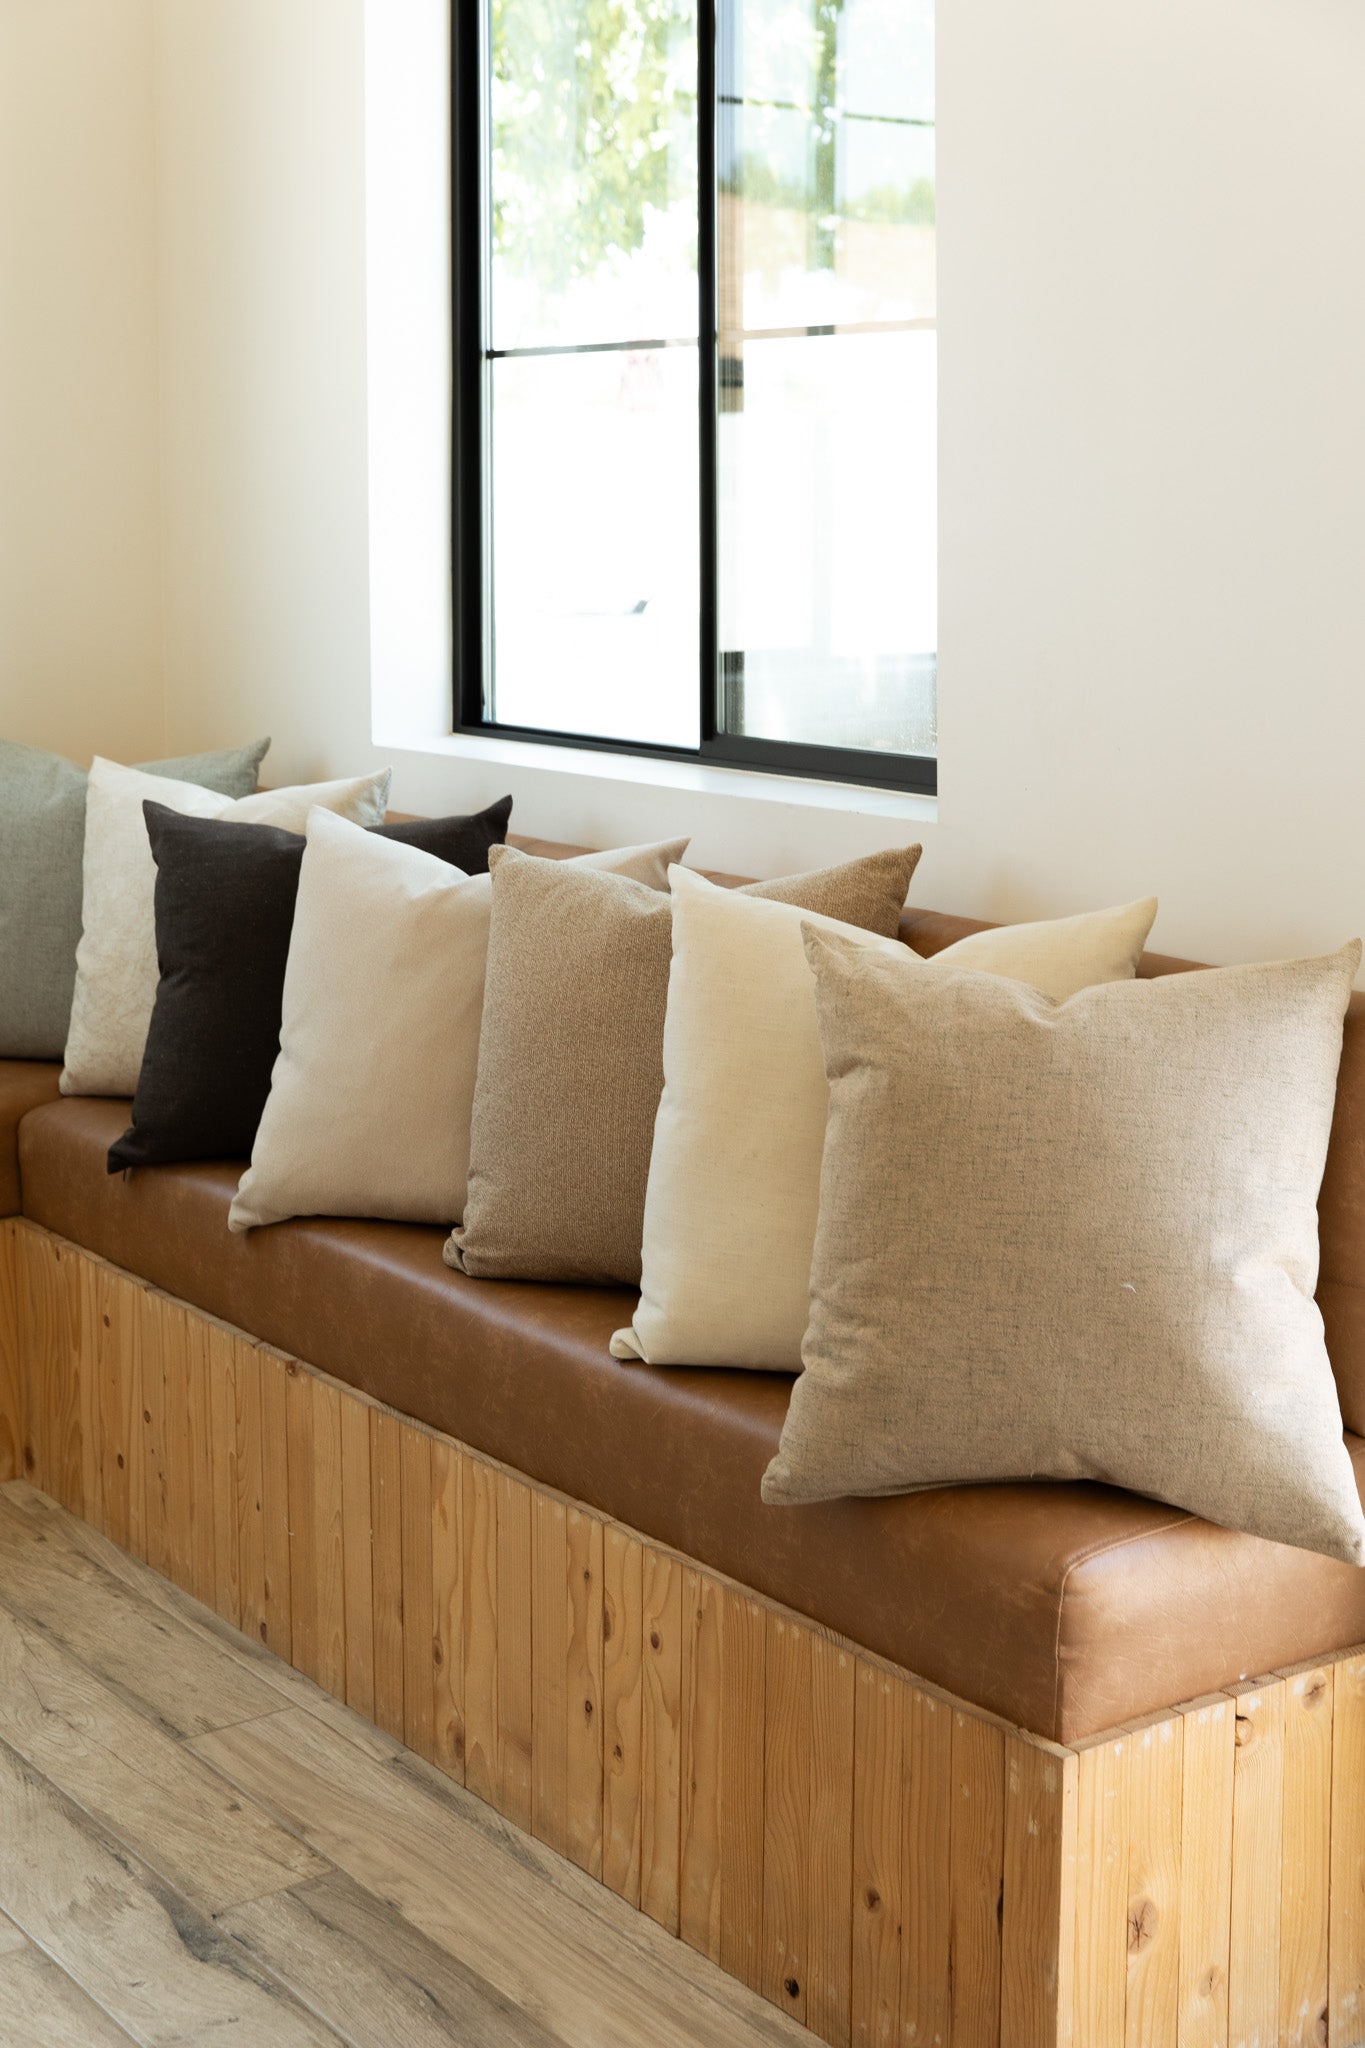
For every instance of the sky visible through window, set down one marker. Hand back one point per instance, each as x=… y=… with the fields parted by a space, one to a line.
x=826 y=457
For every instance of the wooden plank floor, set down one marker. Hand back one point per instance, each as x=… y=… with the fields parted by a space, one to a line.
x=197 y=1842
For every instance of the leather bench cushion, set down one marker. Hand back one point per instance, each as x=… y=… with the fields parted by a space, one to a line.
x=1064 y=1608
x=23 y=1085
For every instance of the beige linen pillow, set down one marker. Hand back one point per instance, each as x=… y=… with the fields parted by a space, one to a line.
x=734 y=1179
x=116 y=966
x=570 y=1058
x=371 y=1096
x=1076 y=1241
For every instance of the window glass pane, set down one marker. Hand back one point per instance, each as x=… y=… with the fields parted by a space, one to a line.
x=828 y=519
x=593 y=171
x=594 y=544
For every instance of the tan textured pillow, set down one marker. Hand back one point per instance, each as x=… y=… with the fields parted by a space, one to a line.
x=571 y=1058
x=1076 y=1241
x=734 y=1178
x=372 y=1092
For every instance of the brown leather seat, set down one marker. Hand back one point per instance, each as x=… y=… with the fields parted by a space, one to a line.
x=23 y=1085
x=1065 y=1608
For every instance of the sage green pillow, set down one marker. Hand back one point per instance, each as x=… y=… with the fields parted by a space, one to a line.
x=42 y=838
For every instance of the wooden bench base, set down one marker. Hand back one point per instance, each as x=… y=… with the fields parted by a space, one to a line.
x=883 y=1862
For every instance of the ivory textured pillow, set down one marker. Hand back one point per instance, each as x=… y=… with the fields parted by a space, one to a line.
x=371 y=1095
x=116 y=966
x=734 y=1180
x=571 y=1058
x=1076 y=1241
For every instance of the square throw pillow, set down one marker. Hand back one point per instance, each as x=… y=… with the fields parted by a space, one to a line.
x=372 y=1094
x=1076 y=1241
x=116 y=971
x=734 y=1177
x=42 y=832
x=571 y=1058
x=224 y=911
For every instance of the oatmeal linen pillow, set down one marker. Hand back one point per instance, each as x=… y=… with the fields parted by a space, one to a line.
x=734 y=1178
x=1076 y=1241
x=371 y=1096
x=571 y=1058
x=116 y=966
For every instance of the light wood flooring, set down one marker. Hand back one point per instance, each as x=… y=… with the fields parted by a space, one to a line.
x=197 y=1845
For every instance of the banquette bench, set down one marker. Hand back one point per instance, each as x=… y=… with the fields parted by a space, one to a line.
x=1020 y=1764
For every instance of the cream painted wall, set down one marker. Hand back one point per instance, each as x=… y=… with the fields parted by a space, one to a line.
x=80 y=621
x=1153 y=456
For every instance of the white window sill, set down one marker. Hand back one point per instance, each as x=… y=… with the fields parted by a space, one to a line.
x=644 y=771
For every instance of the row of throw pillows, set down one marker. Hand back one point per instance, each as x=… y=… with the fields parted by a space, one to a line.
x=1006 y=1213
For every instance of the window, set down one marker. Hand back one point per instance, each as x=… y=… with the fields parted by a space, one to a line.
x=695 y=450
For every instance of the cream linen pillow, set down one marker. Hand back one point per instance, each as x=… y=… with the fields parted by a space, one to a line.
x=371 y=1095
x=1076 y=1241
x=116 y=967
x=570 y=1060
x=734 y=1181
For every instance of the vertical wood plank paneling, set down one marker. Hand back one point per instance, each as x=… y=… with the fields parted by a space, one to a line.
x=699 y=1894
x=299 y=1393
x=829 y=1902
x=786 y=1814
x=116 y=1368
x=386 y=1536
x=1155 y=1771
x=249 y=1503
x=549 y=1672
x=34 y=1395
x=976 y=1876
x=155 y=1485
x=11 y=1385
x=1208 y=1743
x=1038 y=1916
x=222 y=1386
x=51 y=1280
x=278 y=1634
x=744 y=1645
x=1257 y=1827
x=926 y=1886
x=660 y=1736
x=583 y=1686
x=1101 y=1967
x=514 y=1650
x=1306 y=1861
x=329 y=1570
x=357 y=1564
x=36 y=1313
x=622 y=1623
x=203 y=1565
x=175 y=1413
x=92 y=1488
x=1346 y=1938
x=481 y=1629
x=877 y=1863
x=419 y=1622
x=447 y=1599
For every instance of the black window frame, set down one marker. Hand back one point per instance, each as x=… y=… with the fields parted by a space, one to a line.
x=869 y=768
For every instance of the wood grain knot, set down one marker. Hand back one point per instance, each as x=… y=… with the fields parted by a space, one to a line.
x=1246 y=1730
x=791 y=1987
x=655 y=1641
x=1315 y=1692
x=1142 y=1924
x=872 y=1899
